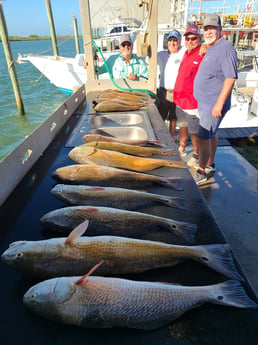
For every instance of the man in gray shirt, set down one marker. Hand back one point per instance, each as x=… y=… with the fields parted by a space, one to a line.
x=213 y=85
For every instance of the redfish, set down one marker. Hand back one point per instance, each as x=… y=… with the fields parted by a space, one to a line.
x=104 y=220
x=123 y=198
x=75 y=255
x=129 y=95
x=115 y=105
x=98 y=137
x=136 y=150
x=99 y=302
x=90 y=155
x=108 y=176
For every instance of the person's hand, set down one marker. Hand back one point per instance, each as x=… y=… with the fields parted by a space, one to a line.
x=84 y=63
x=203 y=49
x=131 y=76
x=216 y=110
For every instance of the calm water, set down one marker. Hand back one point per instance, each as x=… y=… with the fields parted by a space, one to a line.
x=40 y=98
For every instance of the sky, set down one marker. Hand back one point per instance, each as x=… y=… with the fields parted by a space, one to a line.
x=29 y=17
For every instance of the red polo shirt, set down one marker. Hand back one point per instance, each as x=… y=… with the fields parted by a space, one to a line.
x=183 y=90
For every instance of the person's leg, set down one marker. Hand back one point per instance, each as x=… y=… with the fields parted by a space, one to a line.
x=172 y=116
x=163 y=104
x=195 y=143
x=183 y=135
x=183 y=129
x=172 y=127
x=213 y=149
x=204 y=153
x=193 y=127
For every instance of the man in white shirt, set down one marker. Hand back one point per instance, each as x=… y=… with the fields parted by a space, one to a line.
x=167 y=69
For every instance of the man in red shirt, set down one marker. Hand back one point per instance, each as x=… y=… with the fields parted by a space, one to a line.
x=187 y=108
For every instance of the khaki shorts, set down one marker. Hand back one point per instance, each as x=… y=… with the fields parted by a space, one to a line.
x=188 y=118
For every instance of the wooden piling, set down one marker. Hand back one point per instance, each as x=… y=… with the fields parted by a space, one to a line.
x=52 y=28
x=10 y=62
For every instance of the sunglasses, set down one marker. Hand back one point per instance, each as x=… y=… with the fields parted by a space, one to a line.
x=173 y=39
x=191 y=38
x=128 y=44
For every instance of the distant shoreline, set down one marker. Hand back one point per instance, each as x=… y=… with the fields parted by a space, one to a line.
x=36 y=38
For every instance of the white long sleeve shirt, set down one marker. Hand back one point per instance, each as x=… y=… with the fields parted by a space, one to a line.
x=167 y=68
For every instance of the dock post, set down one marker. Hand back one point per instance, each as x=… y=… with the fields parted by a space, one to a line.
x=86 y=31
x=10 y=62
x=75 y=29
x=52 y=28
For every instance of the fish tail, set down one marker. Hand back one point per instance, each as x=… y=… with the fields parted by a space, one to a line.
x=154 y=143
x=171 y=182
x=173 y=201
x=219 y=258
x=184 y=230
x=232 y=293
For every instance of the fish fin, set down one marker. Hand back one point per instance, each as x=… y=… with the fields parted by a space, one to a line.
x=173 y=201
x=77 y=232
x=231 y=293
x=95 y=188
x=175 y=164
x=82 y=280
x=184 y=230
x=175 y=284
x=155 y=143
x=172 y=182
x=16 y=244
x=219 y=258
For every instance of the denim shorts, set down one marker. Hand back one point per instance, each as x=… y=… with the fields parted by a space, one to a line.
x=204 y=133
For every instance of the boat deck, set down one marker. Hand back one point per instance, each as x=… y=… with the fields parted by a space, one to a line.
x=210 y=323
x=240 y=132
x=232 y=196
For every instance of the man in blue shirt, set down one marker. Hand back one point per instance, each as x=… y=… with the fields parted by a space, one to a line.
x=213 y=85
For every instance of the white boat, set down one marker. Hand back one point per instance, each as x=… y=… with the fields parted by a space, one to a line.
x=68 y=73
x=65 y=73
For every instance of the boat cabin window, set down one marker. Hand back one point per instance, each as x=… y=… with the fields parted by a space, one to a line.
x=119 y=29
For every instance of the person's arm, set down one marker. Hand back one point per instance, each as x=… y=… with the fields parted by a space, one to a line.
x=225 y=92
x=144 y=70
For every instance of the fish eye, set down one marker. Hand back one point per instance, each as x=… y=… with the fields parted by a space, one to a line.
x=34 y=296
x=19 y=255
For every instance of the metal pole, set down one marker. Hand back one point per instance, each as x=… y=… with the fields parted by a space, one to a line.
x=76 y=37
x=52 y=28
x=10 y=62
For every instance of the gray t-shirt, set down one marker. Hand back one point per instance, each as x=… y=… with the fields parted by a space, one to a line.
x=218 y=64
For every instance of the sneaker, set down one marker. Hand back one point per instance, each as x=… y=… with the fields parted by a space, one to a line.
x=199 y=177
x=193 y=161
x=210 y=169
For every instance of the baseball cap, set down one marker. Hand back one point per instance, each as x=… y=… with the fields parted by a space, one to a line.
x=125 y=38
x=193 y=29
x=174 y=33
x=212 y=20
